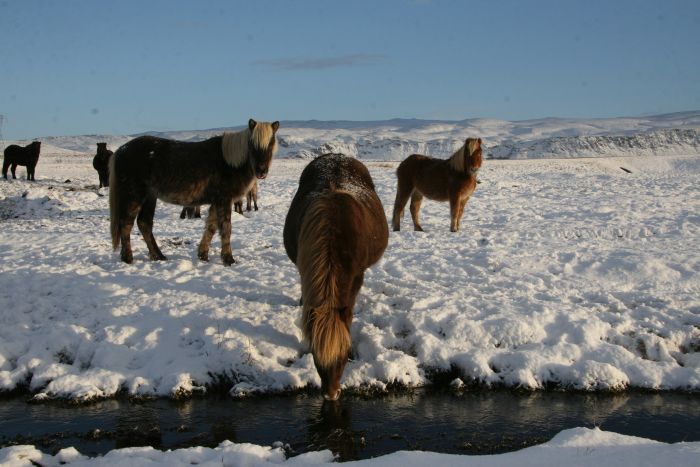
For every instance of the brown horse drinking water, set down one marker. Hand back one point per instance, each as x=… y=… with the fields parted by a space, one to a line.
x=27 y=156
x=215 y=171
x=334 y=230
x=452 y=180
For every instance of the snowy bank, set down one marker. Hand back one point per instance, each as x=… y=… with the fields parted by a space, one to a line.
x=567 y=273
x=574 y=447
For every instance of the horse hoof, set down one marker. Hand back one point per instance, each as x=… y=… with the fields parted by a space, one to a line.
x=228 y=260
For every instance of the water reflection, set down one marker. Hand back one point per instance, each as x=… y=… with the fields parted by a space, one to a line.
x=332 y=429
x=140 y=427
x=354 y=427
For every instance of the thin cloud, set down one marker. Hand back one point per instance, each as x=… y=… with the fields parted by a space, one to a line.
x=323 y=63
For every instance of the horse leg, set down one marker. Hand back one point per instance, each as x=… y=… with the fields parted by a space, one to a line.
x=249 y=199
x=145 y=223
x=403 y=193
x=462 y=204
x=416 y=200
x=223 y=216
x=209 y=231
x=5 y=166
x=255 y=198
x=238 y=206
x=455 y=204
x=183 y=213
x=197 y=212
x=13 y=168
x=126 y=222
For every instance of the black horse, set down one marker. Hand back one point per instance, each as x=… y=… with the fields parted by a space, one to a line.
x=27 y=156
x=101 y=163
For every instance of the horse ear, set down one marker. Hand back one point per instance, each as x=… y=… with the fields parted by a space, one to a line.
x=275 y=126
x=479 y=141
x=251 y=124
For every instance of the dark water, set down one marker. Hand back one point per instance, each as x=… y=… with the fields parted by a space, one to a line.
x=354 y=428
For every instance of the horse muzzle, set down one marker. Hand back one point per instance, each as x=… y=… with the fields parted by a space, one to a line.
x=332 y=397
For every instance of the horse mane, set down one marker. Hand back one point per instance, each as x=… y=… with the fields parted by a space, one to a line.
x=234 y=145
x=321 y=322
x=457 y=160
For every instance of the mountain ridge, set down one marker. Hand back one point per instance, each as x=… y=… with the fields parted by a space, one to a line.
x=394 y=139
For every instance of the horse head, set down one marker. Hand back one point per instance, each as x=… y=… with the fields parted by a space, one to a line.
x=262 y=145
x=472 y=154
x=328 y=330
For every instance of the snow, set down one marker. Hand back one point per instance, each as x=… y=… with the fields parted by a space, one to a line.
x=574 y=447
x=568 y=273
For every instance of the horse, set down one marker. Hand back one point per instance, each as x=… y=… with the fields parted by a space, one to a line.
x=101 y=163
x=190 y=212
x=251 y=196
x=335 y=229
x=452 y=180
x=27 y=156
x=214 y=171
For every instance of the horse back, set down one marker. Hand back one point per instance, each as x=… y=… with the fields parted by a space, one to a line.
x=430 y=176
x=185 y=173
x=342 y=191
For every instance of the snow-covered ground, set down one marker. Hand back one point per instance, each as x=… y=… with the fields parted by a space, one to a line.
x=576 y=447
x=568 y=273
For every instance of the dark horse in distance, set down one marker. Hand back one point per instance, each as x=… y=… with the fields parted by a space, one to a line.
x=452 y=180
x=335 y=229
x=215 y=172
x=27 y=156
x=101 y=163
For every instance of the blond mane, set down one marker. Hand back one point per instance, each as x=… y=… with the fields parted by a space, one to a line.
x=234 y=145
x=457 y=159
x=321 y=325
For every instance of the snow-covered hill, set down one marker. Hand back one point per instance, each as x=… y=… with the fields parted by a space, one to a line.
x=677 y=133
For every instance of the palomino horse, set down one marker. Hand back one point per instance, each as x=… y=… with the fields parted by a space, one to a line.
x=452 y=180
x=334 y=230
x=215 y=171
x=101 y=163
x=27 y=156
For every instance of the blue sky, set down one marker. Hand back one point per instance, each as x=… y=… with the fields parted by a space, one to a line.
x=122 y=67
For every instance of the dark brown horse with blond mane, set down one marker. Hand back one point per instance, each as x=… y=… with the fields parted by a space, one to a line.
x=334 y=230
x=215 y=172
x=452 y=180
x=27 y=156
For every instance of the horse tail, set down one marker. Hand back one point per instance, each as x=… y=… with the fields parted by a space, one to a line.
x=322 y=323
x=114 y=224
